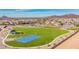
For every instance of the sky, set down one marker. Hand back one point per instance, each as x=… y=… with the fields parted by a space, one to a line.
x=36 y=12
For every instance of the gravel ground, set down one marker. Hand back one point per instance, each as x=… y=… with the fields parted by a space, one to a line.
x=71 y=43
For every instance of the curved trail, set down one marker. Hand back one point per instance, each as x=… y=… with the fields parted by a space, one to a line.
x=71 y=43
x=3 y=35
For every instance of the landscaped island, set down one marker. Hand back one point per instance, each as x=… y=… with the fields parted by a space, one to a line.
x=46 y=35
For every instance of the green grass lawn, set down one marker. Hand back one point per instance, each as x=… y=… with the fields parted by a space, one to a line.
x=73 y=29
x=48 y=34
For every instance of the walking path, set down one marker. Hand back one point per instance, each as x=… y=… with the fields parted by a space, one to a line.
x=3 y=35
x=71 y=43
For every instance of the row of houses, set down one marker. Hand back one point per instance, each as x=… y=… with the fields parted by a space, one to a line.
x=64 y=22
x=60 y=22
x=21 y=21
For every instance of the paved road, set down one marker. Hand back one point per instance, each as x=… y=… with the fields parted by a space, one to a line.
x=3 y=35
x=71 y=43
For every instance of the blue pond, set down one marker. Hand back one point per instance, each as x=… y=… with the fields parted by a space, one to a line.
x=28 y=38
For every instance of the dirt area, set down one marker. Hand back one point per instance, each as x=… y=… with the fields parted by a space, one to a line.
x=71 y=43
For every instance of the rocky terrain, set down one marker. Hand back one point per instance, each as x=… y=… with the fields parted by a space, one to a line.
x=64 y=21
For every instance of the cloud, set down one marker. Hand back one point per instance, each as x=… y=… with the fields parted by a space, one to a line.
x=23 y=10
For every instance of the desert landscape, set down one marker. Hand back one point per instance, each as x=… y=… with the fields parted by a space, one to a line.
x=46 y=32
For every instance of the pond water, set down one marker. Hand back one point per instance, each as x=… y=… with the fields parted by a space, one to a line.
x=28 y=38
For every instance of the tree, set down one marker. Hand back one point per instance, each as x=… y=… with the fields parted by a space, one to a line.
x=77 y=25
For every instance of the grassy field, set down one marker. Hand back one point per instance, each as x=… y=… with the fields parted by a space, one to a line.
x=48 y=34
x=73 y=29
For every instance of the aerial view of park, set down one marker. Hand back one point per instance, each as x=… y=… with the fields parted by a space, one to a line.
x=39 y=28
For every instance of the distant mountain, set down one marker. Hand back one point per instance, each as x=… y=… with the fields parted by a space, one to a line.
x=65 y=16
x=53 y=16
